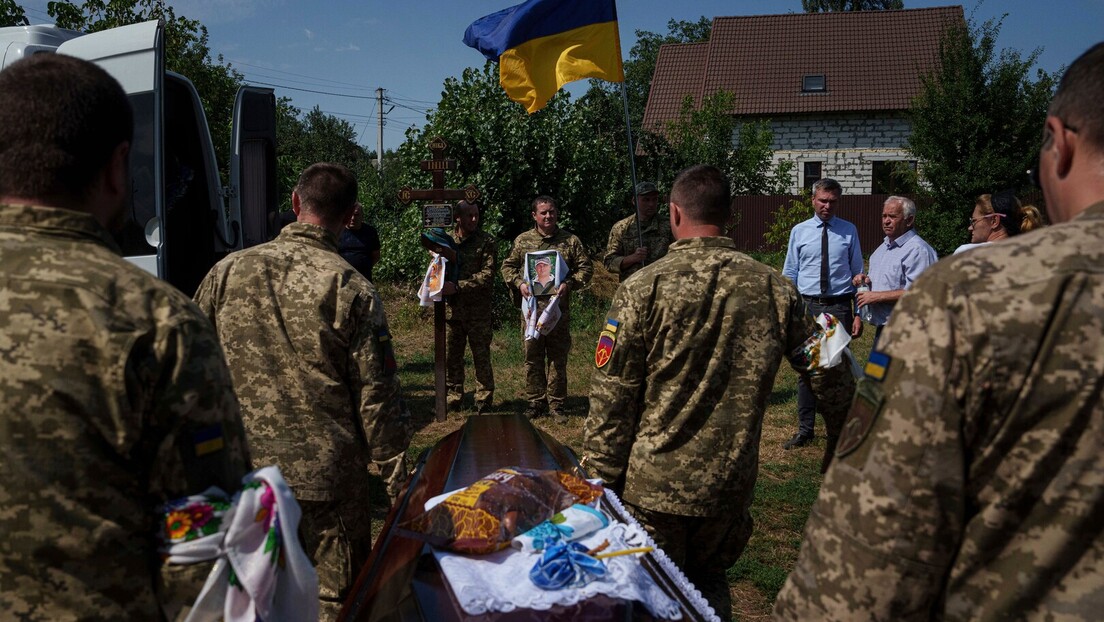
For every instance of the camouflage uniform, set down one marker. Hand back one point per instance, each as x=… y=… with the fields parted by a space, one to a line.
x=116 y=399
x=469 y=319
x=623 y=240
x=676 y=412
x=554 y=346
x=312 y=362
x=969 y=483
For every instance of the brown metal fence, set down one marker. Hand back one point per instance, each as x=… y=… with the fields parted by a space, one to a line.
x=757 y=213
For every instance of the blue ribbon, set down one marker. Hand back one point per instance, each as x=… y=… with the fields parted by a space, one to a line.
x=566 y=564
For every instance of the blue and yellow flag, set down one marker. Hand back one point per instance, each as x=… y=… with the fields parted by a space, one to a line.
x=541 y=45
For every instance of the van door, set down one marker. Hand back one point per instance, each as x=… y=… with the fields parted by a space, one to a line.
x=133 y=55
x=253 y=199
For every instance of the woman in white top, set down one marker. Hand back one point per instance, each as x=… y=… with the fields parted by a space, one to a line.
x=998 y=216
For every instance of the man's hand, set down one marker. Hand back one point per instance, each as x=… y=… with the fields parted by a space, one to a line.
x=856 y=327
x=638 y=256
x=562 y=289
x=448 y=289
x=524 y=290
x=864 y=298
x=860 y=279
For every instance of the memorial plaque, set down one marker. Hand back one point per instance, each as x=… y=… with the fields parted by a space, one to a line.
x=437 y=215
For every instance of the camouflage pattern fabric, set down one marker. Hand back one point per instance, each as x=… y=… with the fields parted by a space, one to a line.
x=116 y=399
x=542 y=352
x=676 y=412
x=970 y=480
x=469 y=318
x=311 y=356
x=338 y=529
x=623 y=240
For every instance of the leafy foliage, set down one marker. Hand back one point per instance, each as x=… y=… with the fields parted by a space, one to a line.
x=824 y=6
x=644 y=54
x=787 y=217
x=976 y=127
x=11 y=14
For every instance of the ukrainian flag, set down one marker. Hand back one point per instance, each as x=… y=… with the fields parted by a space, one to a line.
x=541 y=45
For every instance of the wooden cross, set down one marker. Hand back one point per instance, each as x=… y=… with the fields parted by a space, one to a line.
x=431 y=217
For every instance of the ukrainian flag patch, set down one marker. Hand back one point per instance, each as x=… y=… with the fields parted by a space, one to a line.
x=877 y=365
x=606 y=341
x=208 y=440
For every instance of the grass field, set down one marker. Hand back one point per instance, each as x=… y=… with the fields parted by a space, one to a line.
x=788 y=480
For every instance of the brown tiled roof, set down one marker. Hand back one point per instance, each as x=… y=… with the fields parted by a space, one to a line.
x=871 y=60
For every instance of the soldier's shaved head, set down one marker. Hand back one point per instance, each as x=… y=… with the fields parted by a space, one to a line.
x=328 y=191
x=703 y=195
x=1079 y=96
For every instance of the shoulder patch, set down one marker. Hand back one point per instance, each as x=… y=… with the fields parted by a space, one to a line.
x=606 y=341
x=208 y=440
x=387 y=351
x=869 y=398
x=877 y=365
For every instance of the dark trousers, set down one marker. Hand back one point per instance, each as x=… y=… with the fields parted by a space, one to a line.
x=806 y=401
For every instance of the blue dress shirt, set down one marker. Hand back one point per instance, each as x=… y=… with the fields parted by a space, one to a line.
x=895 y=265
x=803 y=257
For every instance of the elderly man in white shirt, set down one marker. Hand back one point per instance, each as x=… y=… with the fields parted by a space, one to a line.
x=895 y=265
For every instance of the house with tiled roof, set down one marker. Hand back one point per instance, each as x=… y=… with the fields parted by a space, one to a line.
x=836 y=87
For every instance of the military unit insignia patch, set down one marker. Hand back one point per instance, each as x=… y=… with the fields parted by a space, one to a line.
x=606 y=341
x=877 y=365
x=869 y=398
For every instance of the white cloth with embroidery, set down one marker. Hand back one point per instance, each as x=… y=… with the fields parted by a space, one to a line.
x=256 y=536
x=499 y=582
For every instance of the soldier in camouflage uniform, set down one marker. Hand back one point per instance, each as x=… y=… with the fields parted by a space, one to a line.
x=312 y=361
x=624 y=254
x=469 y=318
x=547 y=390
x=969 y=480
x=116 y=395
x=685 y=365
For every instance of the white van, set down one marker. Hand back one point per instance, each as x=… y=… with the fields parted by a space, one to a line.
x=182 y=219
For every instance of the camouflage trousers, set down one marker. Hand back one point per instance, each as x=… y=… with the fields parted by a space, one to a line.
x=337 y=537
x=477 y=334
x=546 y=367
x=704 y=547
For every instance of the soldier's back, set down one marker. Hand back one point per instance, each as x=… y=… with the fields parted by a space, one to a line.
x=101 y=382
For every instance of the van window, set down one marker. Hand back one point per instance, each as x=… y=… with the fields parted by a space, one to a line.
x=143 y=179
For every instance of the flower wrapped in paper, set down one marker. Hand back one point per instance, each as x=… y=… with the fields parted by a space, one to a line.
x=827 y=346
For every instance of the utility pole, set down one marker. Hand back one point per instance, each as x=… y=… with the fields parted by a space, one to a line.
x=379 y=136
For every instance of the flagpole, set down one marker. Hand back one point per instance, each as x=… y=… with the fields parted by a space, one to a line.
x=632 y=166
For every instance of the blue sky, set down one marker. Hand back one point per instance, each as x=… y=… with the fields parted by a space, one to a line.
x=408 y=48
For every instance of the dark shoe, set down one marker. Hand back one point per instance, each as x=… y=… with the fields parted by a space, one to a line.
x=797 y=441
x=483 y=408
x=534 y=412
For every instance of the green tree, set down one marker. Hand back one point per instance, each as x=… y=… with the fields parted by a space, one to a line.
x=825 y=6
x=641 y=64
x=11 y=14
x=186 y=52
x=976 y=126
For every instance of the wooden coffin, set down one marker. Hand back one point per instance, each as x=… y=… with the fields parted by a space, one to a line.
x=402 y=581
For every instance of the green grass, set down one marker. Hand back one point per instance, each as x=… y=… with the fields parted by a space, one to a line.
x=788 y=480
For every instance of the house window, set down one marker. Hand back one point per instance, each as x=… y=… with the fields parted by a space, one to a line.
x=893 y=177
x=812 y=174
x=813 y=83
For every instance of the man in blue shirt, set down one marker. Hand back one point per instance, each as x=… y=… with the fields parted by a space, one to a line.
x=822 y=259
x=895 y=265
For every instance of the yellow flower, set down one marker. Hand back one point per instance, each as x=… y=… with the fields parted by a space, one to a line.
x=178 y=524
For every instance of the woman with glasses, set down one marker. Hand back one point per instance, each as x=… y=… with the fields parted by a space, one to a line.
x=999 y=216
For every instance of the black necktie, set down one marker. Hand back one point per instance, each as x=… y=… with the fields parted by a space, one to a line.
x=823 y=258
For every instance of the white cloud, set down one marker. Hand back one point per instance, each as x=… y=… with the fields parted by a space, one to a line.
x=309 y=33
x=352 y=47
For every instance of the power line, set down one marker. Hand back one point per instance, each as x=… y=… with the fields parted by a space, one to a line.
x=290 y=73
x=292 y=88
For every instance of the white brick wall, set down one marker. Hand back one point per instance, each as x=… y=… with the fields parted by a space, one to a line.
x=846 y=144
